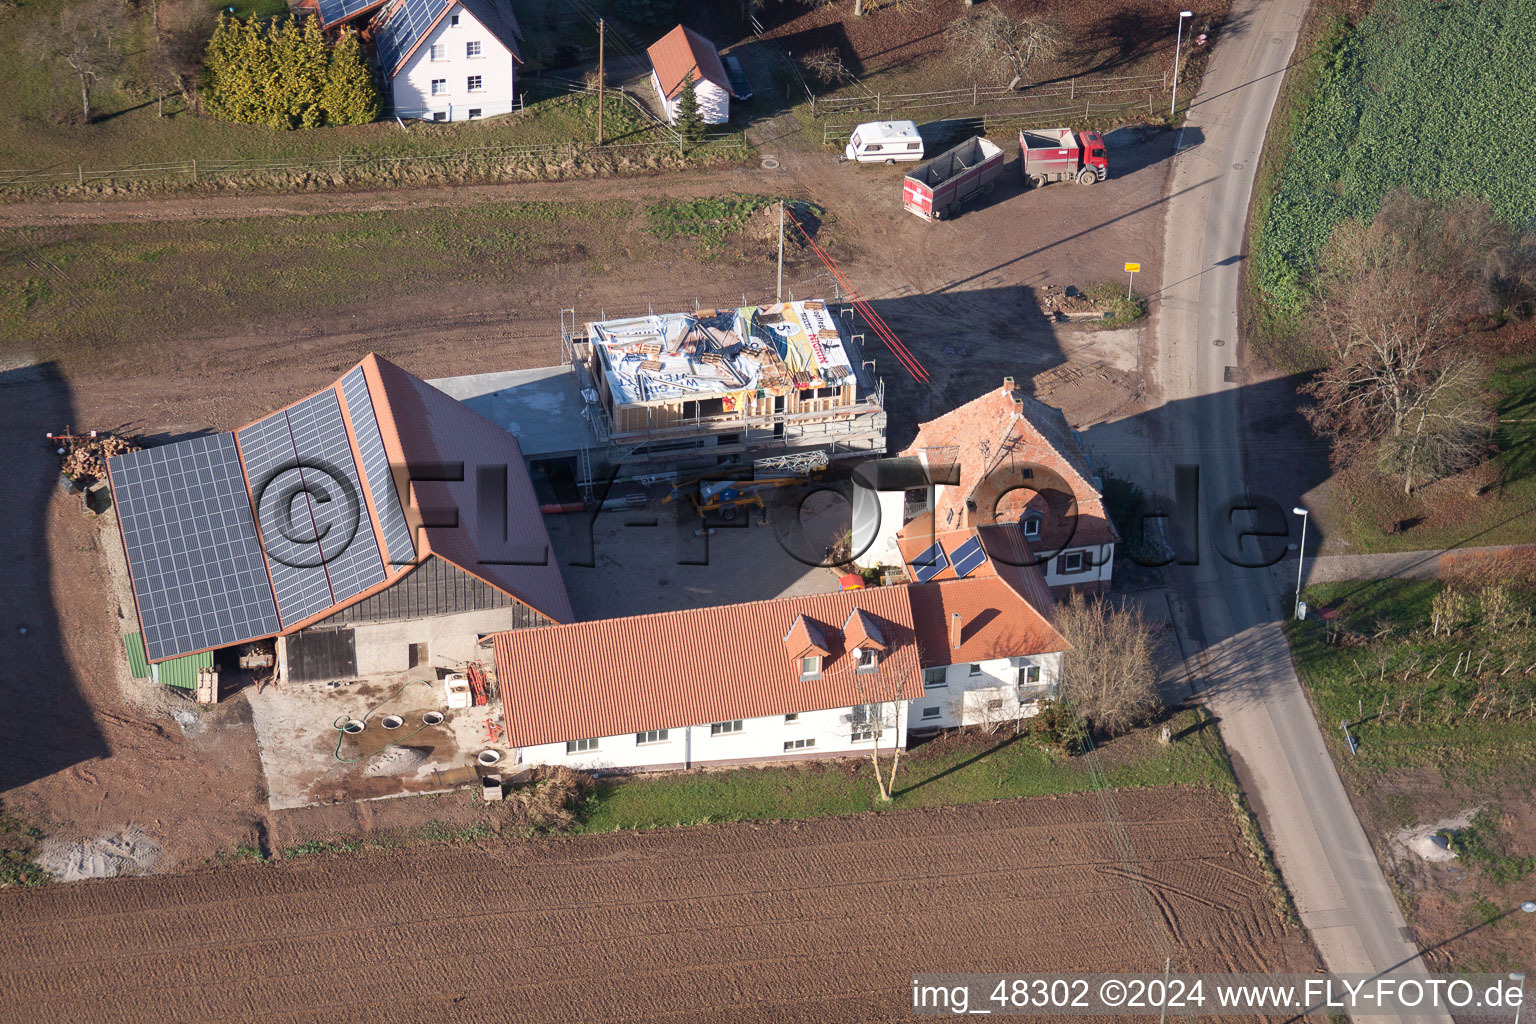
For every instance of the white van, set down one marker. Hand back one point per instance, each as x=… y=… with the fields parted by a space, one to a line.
x=884 y=142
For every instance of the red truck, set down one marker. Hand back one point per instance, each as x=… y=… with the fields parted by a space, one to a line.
x=1060 y=154
x=937 y=189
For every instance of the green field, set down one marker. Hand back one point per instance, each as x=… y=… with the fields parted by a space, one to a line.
x=954 y=770
x=1431 y=96
x=1410 y=703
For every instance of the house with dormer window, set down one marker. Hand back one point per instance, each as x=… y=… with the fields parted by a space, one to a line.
x=826 y=675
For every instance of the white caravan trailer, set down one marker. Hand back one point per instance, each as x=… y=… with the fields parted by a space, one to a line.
x=884 y=142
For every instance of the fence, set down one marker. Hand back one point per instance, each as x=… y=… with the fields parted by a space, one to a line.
x=986 y=124
x=200 y=169
x=976 y=94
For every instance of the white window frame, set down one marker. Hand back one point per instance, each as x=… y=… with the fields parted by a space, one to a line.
x=1029 y=675
x=929 y=713
x=934 y=677
x=439 y=82
x=474 y=83
x=1080 y=556
x=869 y=661
x=861 y=736
x=814 y=671
x=1031 y=526
x=650 y=737
x=437 y=51
x=585 y=746
x=731 y=728
x=974 y=669
x=475 y=113
x=801 y=744
x=793 y=716
x=439 y=115
x=473 y=50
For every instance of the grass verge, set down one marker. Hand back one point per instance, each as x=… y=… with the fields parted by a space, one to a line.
x=18 y=851
x=958 y=769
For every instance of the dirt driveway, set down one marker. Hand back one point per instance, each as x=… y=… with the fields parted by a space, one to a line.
x=812 y=921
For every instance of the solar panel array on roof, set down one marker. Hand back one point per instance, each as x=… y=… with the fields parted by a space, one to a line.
x=930 y=563
x=967 y=557
x=314 y=524
x=400 y=26
x=376 y=471
x=334 y=11
x=192 y=551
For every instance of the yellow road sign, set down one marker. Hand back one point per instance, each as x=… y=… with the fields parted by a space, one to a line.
x=1132 y=268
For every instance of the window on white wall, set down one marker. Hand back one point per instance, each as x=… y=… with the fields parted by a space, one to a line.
x=932 y=712
x=793 y=716
x=1072 y=561
x=799 y=744
x=439 y=86
x=439 y=51
x=1029 y=674
x=453 y=20
x=862 y=735
x=474 y=112
x=725 y=728
x=580 y=746
x=935 y=677
x=474 y=83
x=472 y=48
x=650 y=736
x=810 y=667
x=440 y=115
x=973 y=670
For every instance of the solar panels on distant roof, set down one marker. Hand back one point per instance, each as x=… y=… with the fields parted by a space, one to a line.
x=376 y=472
x=930 y=563
x=334 y=11
x=967 y=557
x=314 y=523
x=191 y=543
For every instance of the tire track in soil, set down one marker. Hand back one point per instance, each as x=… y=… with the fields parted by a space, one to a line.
x=811 y=921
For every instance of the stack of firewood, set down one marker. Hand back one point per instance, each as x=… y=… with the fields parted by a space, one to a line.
x=87 y=458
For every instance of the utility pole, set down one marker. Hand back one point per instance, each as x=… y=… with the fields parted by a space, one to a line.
x=781 y=251
x=599 y=81
x=1177 y=46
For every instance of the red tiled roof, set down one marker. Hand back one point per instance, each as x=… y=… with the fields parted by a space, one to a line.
x=1006 y=430
x=671 y=669
x=915 y=538
x=862 y=631
x=682 y=51
x=422 y=426
x=805 y=639
x=1000 y=617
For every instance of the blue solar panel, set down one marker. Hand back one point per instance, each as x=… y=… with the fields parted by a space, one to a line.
x=190 y=538
x=399 y=26
x=929 y=564
x=967 y=557
x=313 y=521
x=376 y=470
x=334 y=11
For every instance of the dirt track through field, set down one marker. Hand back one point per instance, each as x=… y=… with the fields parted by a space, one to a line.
x=815 y=921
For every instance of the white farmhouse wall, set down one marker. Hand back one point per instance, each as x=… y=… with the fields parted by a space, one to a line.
x=1098 y=560
x=412 y=87
x=876 y=520
x=962 y=698
x=714 y=102
x=761 y=739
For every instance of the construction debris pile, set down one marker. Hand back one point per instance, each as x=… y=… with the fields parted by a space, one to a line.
x=86 y=455
x=1067 y=303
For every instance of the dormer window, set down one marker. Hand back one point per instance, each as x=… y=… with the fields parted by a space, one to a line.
x=810 y=667
x=869 y=660
x=1032 y=526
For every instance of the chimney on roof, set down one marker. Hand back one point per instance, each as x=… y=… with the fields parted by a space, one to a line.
x=1007 y=385
x=954 y=631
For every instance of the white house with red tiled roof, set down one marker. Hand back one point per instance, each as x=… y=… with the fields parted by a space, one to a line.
x=1001 y=460
x=682 y=53
x=793 y=678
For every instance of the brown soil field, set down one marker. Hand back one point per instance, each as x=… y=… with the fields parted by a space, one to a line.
x=816 y=921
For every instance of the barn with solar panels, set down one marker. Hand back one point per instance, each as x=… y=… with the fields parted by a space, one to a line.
x=375 y=526
x=442 y=60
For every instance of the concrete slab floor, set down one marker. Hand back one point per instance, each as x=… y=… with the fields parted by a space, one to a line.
x=615 y=565
x=296 y=733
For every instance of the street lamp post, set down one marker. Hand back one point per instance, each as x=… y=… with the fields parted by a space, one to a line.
x=1177 y=46
x=1301 y=557
x=1521 y=979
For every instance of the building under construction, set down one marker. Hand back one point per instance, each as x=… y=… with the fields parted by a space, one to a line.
x=776 y=387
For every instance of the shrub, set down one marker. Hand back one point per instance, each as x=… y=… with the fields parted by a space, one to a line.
x=689 y=123
x=285 y=75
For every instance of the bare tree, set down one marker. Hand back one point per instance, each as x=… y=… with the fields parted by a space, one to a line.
x=183 y=28
x=869 y=719
x=826 y=66
x=1398 y=300
x=86 y=38
x=1109 y=675
x=991 y=40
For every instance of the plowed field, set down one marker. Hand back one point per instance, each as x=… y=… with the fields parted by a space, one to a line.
x=816 y=921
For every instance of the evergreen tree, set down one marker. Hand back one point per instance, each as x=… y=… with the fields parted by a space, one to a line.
x=689 y=122
x=285 y=75
x=350 y=96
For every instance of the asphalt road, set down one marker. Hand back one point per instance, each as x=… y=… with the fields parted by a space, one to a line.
x=1233 y=615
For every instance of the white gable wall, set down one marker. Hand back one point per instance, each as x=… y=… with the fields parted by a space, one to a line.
x=955 y=695
x=412 y=87
x=714 y=102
